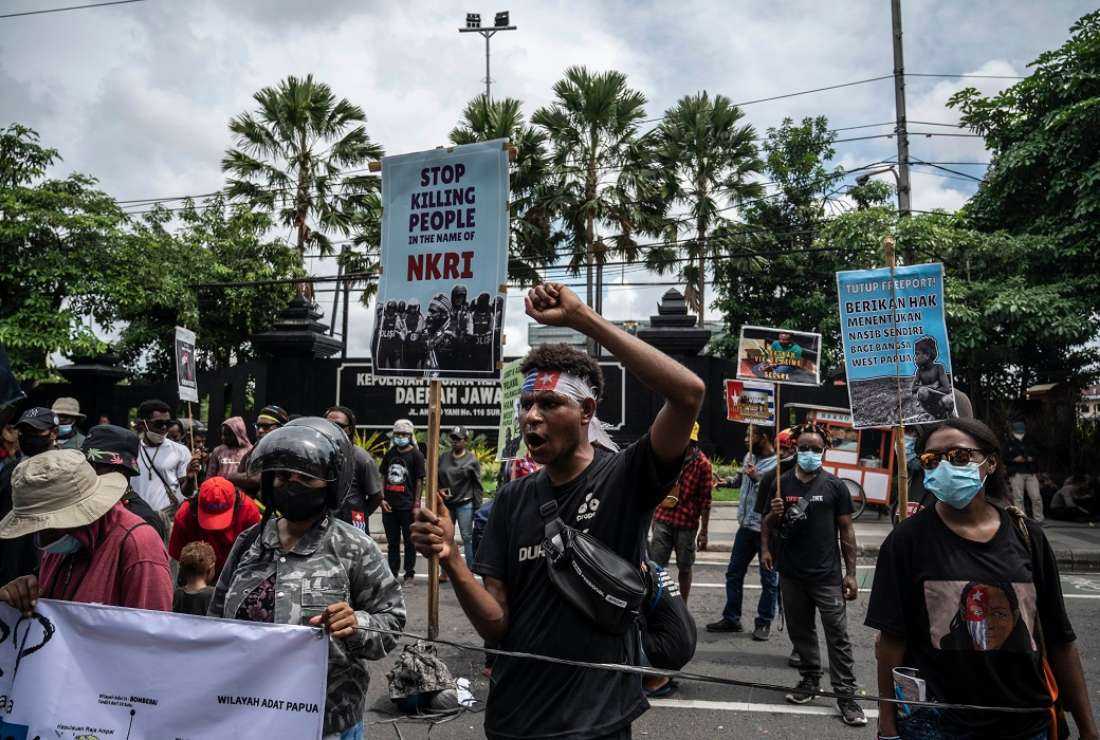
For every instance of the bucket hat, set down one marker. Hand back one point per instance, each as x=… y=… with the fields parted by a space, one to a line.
x=58 y=490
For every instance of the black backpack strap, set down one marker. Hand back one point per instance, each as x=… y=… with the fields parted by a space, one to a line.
x=548 y=505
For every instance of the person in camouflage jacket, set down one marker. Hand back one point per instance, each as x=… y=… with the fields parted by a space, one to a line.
x=333 y=562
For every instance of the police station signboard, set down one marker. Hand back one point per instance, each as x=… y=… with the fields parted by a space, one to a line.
x=379 y=401
x=440 y=307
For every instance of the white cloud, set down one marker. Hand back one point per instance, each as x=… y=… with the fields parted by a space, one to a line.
x=140 y=95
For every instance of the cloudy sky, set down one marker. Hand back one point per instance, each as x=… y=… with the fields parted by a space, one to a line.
x=139 y=95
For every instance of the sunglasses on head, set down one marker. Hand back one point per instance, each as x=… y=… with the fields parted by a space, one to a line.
x=810 y=448
x=957 y=456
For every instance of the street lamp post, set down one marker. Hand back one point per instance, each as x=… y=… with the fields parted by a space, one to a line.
x=473 y=25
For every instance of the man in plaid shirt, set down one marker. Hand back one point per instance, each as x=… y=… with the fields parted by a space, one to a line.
x=676 y=520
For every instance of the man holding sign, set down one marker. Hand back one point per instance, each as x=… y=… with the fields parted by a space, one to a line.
x=610 y=495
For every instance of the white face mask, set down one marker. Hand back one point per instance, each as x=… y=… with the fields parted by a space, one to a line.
x=153 y=438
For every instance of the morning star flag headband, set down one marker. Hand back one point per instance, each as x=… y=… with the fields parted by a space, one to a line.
x=570 y=386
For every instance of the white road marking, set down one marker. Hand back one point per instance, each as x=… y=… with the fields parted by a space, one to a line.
x=741 y=706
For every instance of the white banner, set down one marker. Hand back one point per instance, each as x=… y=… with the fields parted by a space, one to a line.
x=108 y=673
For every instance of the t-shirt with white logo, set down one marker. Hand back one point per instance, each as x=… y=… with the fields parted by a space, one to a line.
x=613 y=500
x=171 y=460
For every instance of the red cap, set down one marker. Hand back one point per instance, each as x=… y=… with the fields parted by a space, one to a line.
x=785 y=438
x=216 y=498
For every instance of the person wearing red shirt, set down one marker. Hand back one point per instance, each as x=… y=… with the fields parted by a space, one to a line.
x=676 y=520
x=94 y=550
x=216 y=516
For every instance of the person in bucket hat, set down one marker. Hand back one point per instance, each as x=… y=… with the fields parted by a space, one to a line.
x=93 y=549
x=36 y=432
x=68 y=415
x=113 y=449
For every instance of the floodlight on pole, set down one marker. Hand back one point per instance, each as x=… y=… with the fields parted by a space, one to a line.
x=501 y=22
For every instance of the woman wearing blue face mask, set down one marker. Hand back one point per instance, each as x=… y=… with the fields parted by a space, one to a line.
x=969 y=594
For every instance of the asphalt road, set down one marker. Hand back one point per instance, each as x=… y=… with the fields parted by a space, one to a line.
x=706 y=710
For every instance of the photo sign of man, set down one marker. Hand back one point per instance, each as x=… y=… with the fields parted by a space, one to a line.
x=186 y=376
x=779 y=356
x=750 y=402
x=440 y=306
x=896 y=352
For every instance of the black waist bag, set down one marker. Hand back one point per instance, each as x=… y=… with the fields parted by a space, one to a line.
x=588 y=574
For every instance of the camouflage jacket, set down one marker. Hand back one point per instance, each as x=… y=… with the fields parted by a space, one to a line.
x=332 y=562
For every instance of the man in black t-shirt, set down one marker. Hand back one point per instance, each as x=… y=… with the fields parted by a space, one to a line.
x=403 y=472
x=611 y=495
x=815 y=508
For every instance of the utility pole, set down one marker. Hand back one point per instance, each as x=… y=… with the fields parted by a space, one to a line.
x=473 y=25
x=901 y=129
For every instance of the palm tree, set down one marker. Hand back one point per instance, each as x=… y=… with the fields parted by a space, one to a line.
x=533 y=238
x=708 y=158
x=300 y=156
x=606 y=173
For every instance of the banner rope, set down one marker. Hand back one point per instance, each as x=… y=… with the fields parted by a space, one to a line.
x=699 y=677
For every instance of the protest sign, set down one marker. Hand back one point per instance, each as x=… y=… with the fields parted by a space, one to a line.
x=779 y=356
x=440 y=306
x=895 y=345
x=750 y=402
x=510 y=444
x=87 y=670
x=186 y=377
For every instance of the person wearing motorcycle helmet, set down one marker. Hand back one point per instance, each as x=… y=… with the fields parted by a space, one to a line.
x=304 y=566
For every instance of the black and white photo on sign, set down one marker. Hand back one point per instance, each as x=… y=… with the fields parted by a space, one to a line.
x=186 y=375
x=457 y=332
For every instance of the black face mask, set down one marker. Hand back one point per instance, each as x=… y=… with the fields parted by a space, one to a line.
x=298 y=502
x=34 y=444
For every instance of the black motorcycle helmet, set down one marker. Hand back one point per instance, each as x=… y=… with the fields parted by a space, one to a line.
x=309 y=446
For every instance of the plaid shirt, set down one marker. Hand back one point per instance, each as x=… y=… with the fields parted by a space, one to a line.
x=694 y=487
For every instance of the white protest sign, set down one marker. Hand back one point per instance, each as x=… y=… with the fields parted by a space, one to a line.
x=440 y=307
x=186 y=376
x=87 y=670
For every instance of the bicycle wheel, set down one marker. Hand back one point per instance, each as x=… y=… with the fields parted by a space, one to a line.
x=859 y=499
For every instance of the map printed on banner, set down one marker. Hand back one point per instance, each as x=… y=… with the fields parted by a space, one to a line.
x=883 y=363
x=99 y=672
x=779 y=356
x=440 y=306
x=750 y=402
x=186 y=375
x=510 y=442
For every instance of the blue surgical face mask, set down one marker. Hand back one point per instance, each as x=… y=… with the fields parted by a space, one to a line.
x=954 y=485
x=401 y=440
x=64 y=430
x=63 y=545
x=910 y=448
x=809 y=461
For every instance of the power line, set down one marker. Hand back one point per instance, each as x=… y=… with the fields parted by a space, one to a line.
x=966 y=77
x=71 y=7
x=948 y=169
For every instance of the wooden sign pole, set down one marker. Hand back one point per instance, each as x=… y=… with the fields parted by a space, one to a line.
x=434 y=413
x=778 y=453
x=902 y=464
x=191 y=429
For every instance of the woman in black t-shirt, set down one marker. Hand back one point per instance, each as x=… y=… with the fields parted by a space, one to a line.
x=974 y=604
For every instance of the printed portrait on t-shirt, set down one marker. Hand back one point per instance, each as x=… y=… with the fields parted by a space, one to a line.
x=968 y=615
x=397 y=475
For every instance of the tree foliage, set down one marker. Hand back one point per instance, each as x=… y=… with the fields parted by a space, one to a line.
x=292 y=158
x=57 y=237
x=1043 y=185
x=162 y=260
x=709 y=159
x=607 y=175
x=774 y=271
x=532 y=181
